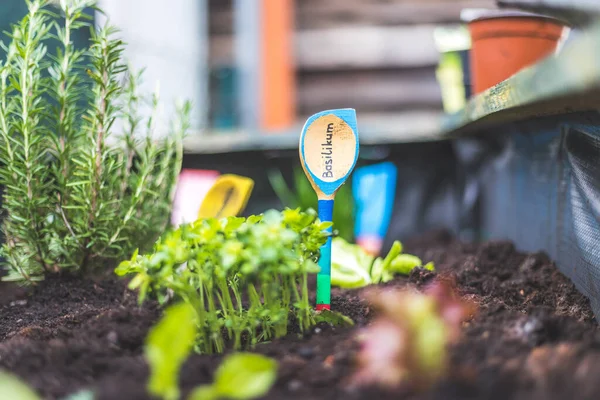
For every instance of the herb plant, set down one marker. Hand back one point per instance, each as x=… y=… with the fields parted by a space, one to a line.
x=352 y=267
x=244 y=277
x=408 y=341
x=70 y=199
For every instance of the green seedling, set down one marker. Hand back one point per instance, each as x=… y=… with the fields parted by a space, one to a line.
x=243 y=276
x=241 y=376
x=168 y=345
x=333 y=318
x=408 y=341
x=352 y=267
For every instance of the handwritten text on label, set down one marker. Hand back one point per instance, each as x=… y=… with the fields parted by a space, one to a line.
x=329 y=148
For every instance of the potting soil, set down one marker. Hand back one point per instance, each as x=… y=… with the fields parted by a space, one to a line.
x=534 y=336
x=541 y=189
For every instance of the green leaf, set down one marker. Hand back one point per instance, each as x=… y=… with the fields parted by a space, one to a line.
x=124 y=268
x=248 y=275
x=387 y=275
x=168 y=345
x=404 y=263
x=430 y=266
x=350 y=265
x=244 y=376
x=348 y=278
x=204 y=392
x=333 y=318
x=13 y=388
x=377 y=270
x=430 y=344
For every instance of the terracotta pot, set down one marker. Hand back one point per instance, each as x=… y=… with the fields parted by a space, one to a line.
x=505 y=42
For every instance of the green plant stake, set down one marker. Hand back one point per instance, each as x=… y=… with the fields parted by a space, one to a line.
x=328 y=153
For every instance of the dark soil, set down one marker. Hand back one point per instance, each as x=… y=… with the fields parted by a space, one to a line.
x=534 y=337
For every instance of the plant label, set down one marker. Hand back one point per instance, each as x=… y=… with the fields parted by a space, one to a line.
x=329 y=149
x=328 y=153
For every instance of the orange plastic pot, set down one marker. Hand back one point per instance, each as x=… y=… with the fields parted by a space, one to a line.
x=503 y=45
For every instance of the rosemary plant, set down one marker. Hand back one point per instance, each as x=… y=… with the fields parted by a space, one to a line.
x=70 y=199
x=243 y=276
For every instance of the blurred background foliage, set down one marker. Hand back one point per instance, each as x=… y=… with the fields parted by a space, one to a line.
x=301 y=195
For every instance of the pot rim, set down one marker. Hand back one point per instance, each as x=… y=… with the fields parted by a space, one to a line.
x=468 y=15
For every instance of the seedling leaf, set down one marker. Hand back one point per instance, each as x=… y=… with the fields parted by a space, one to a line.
x=430 y=266
x=204 y=392
x=377 y=270
x=13 y=388
x=387 y=261
x=404 y=263
x=408 y=340
x=245 y=376
x=168 y=345
x=352 y=267
x=349 y=265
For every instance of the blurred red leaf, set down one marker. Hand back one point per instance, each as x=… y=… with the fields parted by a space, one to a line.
x=408 y=340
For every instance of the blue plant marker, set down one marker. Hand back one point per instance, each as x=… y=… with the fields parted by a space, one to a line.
x=373 y=189
x=328 y=152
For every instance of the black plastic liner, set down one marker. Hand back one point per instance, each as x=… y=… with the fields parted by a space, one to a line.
x=542 y=191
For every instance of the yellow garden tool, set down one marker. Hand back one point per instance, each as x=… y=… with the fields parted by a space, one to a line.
x=227 y=197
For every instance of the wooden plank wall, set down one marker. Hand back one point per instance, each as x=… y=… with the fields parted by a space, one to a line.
x=374 y=55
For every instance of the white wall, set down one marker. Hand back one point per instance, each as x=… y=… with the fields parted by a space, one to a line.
x=169 y=38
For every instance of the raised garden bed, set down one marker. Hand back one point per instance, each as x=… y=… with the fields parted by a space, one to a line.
x=534 y=337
